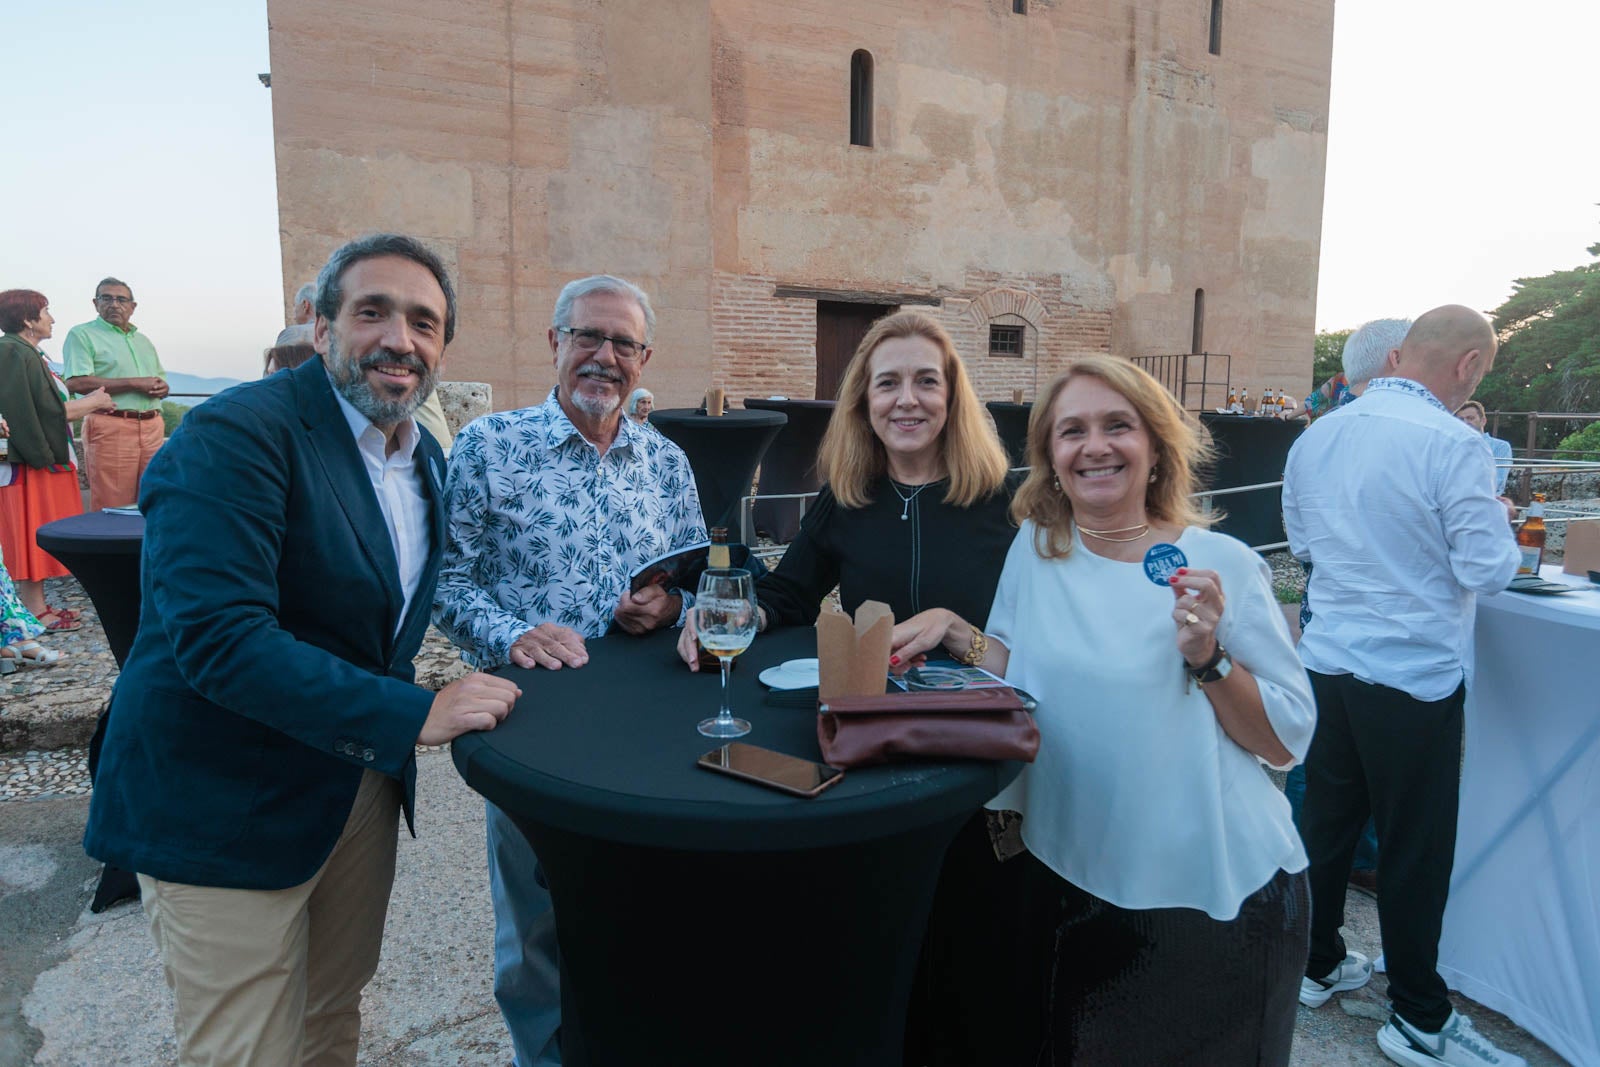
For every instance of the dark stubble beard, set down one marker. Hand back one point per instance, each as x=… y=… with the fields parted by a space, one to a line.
x=382 y=403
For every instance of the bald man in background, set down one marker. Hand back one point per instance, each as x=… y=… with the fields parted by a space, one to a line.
x=1392 y=501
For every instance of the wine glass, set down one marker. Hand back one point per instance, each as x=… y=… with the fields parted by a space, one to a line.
x=725 y=623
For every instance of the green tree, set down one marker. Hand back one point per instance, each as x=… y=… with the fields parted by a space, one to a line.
x=172 y=413
x=1549 y=357
x=1585 y=444
x=1327 y=359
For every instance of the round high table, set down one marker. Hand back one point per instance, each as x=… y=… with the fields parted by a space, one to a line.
x=1251 y=449
x=1522 y=928
x=703 y=919
x=723 y=452
x=790 y=465
x=101 y=549
x=1011 y=423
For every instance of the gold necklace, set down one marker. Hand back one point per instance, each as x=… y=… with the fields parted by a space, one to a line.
x=1105 y=535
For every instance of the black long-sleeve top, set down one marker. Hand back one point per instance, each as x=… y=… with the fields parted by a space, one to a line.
x=939 y=556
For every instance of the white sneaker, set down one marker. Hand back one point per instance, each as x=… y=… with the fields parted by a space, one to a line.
x=1457 y=1044
x=1353 y=972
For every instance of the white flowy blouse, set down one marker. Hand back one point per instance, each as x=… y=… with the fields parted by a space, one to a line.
x=1137 y=794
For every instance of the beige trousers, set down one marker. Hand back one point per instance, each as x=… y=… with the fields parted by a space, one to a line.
x=274 y=977
x=116 y=452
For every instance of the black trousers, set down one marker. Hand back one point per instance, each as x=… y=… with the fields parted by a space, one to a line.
x=1383 y=753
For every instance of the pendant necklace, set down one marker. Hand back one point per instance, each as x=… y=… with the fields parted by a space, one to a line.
x=906 y=500
x=1107 y=535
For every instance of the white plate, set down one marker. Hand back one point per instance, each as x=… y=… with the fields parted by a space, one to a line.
x=794 y=674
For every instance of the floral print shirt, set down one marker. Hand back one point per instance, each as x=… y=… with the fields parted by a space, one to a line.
x=543 y=528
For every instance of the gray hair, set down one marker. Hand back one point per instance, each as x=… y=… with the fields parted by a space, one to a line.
x=1366 y=349
x=330 y=280
x=306 y=294
x=603 y=283
x=112 y=281
x=632 y=406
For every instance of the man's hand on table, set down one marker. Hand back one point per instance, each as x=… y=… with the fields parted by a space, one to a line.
x=551 y=646
x=475 y=702
x=650 y=608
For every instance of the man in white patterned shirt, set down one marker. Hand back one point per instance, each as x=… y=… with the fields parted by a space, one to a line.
x=551 y=511
x=1392 y=500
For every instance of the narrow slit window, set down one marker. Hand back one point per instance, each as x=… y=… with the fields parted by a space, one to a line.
x=1216 y=27
x=1197 y=339
x=861 y=98
x=1019 y=7
x=1005 y=341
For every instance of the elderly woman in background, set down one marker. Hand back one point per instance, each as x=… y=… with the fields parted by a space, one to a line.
x=641 y=402
x=1182 y=914
x=915 y=513
x=286 y=357
x=44 y=484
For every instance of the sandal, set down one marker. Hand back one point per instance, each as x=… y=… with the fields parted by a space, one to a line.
x=62 y=622
x=28 y=654
x=65 y=613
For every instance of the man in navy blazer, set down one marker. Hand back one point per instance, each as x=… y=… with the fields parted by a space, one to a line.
x=261 y=738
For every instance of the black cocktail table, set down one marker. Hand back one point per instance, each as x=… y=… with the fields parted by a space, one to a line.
x=790 y=465
x=1250 y=450
x=702 y=919
x=723 y=451
x=102 y=552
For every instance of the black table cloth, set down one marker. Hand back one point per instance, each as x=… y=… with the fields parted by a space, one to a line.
x=102 y=552
x=1011 y=422
x=1250 y=450
x=703 y=919
x=790 y=465
x=723 y=452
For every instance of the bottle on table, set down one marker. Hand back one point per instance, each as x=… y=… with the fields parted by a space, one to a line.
x=1244 y=401
x=1267 y=403
x=719 y=558
x=1233 y=400
x=1530 y=538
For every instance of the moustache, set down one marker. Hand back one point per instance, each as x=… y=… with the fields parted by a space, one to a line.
x=394 y=359
x=595 y=370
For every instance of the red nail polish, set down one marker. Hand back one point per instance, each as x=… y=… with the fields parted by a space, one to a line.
x=895 y=660
x=1172 y=579
x=1183 y=570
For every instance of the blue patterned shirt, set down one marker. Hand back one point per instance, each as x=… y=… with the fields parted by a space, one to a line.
x=543 y=528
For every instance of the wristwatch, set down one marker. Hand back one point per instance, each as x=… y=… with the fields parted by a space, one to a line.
x=1215 y=669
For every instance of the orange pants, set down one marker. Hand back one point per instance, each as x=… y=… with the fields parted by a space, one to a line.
x=116 y=451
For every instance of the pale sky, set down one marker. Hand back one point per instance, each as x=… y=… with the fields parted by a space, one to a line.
x=1459 y=158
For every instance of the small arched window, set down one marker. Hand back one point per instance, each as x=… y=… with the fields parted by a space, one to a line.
x=861 y=98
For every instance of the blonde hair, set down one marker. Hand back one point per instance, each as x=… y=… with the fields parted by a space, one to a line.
x=852 y=457
x=1175 y=438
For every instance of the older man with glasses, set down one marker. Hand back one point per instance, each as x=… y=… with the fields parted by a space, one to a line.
x=552 y=509
x=109 y=352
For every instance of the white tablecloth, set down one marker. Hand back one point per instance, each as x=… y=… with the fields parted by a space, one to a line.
x=1522 y=930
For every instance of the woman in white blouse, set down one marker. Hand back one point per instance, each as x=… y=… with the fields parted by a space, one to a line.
x=1181 y=934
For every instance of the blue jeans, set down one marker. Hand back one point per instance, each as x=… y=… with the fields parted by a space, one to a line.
x=1366 y=849
x=527 y=968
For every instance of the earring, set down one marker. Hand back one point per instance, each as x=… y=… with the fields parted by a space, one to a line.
x=1153 y=475
x=1056 y=482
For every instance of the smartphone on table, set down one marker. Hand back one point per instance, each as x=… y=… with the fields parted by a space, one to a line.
x=776 y=770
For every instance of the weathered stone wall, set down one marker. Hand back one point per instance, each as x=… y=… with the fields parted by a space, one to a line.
x=1095 y=158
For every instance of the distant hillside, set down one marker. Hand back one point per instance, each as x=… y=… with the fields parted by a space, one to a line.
x=180 y=382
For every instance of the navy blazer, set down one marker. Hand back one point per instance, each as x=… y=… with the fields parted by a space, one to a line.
x=272 y=664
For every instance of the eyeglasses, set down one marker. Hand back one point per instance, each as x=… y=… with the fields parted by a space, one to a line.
x=592 y=340
x=107 y=298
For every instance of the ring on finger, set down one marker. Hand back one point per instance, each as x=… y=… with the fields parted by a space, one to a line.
x=1190 y=618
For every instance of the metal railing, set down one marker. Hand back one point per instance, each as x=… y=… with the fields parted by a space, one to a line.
x=1174 y=372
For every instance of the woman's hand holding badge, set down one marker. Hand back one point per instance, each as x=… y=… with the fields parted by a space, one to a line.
x=1197 y=609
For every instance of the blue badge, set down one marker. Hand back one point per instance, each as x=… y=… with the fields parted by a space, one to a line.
x=1162 y=562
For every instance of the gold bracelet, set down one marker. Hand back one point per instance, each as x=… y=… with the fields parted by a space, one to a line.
x=976 y=651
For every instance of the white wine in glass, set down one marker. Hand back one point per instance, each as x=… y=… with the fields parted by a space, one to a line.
x=725 y=623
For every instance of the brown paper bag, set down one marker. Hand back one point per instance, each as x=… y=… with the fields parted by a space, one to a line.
x=853 y=657
x=1582 y=552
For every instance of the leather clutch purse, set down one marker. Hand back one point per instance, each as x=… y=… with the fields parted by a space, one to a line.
x=988 y=724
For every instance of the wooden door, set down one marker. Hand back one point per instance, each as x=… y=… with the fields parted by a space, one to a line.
x=840 y=328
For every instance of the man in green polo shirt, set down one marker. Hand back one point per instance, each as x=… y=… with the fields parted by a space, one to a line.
x=109 y=352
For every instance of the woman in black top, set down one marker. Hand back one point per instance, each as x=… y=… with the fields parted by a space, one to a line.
x=915 y=513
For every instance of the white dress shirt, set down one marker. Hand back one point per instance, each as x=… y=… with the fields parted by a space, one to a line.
x=1138 y=795
x=398 y=485
x=1391 y=501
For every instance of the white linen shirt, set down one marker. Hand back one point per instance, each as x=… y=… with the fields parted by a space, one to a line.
x=543 y=528
x=1391 y=500
x=398 y=486
x=1137 y=794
